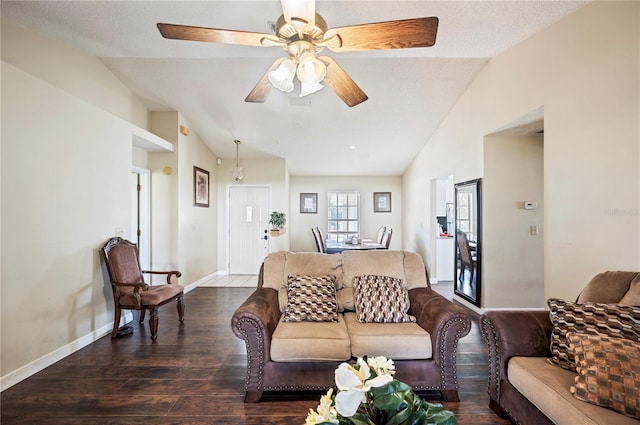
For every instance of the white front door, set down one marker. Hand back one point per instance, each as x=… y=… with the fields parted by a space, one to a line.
x=248 y=228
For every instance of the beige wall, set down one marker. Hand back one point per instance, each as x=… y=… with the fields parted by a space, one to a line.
x=66 y=168
x=513 y=174
x=67 y=155
x=71 y=70
x=197 y=226
x=300 y=224
x=272 y=173
x=589 y=90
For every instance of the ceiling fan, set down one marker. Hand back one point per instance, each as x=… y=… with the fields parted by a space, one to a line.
x=302 y=33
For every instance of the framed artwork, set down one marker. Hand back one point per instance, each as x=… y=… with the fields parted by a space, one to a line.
x=200 y=187
x=381 y=202
x=308 y=203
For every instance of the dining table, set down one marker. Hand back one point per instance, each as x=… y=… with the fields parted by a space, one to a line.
x=335 y=247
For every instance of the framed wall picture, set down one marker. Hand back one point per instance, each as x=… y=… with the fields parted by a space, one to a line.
x=381 y=202
x=200 y=187
x=308 y=203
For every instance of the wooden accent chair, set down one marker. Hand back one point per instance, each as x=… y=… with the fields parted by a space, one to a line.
x=130 y=292
x=466 y=257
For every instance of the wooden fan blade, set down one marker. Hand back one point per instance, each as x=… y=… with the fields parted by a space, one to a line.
x=261 y=90
x=303 y=9
x=342 y=84
x=402 y=34
x=213 y=35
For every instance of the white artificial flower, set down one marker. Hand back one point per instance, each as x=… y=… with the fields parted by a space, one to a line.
x=381 y=365
x=353 y=383
x=326 y=412
x=347 y=402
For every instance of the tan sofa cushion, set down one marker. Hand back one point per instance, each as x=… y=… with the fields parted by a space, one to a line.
x=382 y=262
x=279 y=265
x=310 y=341
x=398 y=341
x=273 y=273
x=313 y=264
x=632 y=297
x=547 y=387
x=400 y=264
x=607 y=287
x=415 y=270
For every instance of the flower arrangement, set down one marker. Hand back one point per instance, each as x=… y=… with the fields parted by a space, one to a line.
x=368 y=394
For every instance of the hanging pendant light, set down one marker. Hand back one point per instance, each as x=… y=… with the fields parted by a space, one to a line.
x=237 y=172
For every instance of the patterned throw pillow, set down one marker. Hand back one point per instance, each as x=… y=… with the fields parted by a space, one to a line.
x=608 y=372
x=613 y=320
x=381 y=299
x=311 y=299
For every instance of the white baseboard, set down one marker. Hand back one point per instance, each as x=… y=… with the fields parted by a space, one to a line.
x=516 y=309
x=22 y=373
x=194 y=285
x=467 y=304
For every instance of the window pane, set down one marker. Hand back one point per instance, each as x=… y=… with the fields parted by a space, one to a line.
x=343 y=214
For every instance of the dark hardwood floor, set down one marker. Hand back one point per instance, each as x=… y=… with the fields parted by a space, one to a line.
x=193 y=374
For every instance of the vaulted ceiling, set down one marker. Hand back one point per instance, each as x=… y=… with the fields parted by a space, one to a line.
x=410 y=90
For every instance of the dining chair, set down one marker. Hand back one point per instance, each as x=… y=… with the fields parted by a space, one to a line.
x=316 y=238
x=381 y=232
x=466 y=257
x=386 y=238
x=323 y=244
x=130 y=292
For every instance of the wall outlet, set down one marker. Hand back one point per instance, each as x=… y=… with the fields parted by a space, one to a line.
x=533 y=230
x=119 y=232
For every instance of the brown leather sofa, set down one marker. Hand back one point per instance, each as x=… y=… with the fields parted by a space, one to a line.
x=440 y=324
x=519 y=346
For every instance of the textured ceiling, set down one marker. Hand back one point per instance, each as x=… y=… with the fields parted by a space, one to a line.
x=410 y=91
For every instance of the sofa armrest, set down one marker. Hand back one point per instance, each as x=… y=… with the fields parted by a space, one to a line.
x=254 y=322
x=446 y=322
x=513 y=333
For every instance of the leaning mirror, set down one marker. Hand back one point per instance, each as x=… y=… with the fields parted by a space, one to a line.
x=468 y=226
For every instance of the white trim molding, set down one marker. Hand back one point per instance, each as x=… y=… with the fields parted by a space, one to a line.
x=47 y=360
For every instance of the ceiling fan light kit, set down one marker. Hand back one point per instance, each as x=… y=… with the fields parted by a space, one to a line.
x=302 y=33
x=282 y=78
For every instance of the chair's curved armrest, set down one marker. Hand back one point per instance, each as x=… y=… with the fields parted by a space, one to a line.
x=170 y=273
x=254 y=322
x=513 y=333
x=446 y=322
x=137 y=287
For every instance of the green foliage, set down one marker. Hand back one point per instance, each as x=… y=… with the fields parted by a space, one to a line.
x=396 y=404
x=277 y=219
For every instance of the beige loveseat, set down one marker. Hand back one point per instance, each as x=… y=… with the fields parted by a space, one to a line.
x=527 y=387
x=286 y=356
